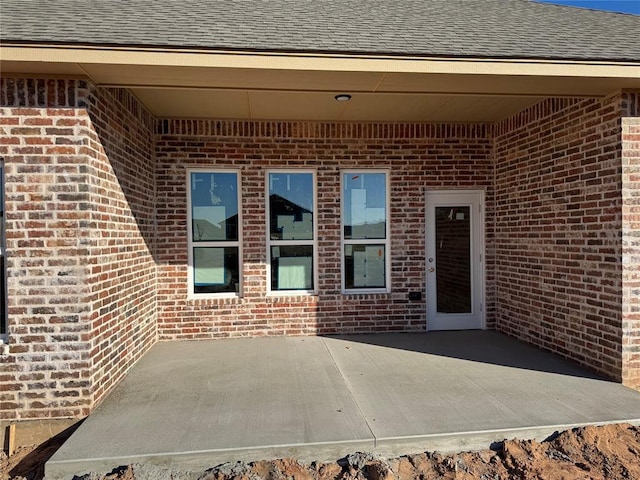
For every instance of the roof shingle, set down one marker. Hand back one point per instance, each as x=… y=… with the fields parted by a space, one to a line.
x=449 y=28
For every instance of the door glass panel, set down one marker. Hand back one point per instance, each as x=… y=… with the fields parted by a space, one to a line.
x=453 y=259
x=3 y=325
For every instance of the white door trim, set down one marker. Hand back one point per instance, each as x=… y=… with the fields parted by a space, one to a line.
x=477 y=319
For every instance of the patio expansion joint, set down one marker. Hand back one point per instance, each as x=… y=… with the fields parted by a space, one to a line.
x=351 y=393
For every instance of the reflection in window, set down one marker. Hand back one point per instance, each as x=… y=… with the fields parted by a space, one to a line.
x=365 y=205
x=215 y=269
x=292 y=267
x=214 y=206
x=364 y=266
x=291 y=239
x=365 y=230
x=214 y=232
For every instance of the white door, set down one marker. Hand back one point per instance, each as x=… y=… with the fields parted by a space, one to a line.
x=455 y=268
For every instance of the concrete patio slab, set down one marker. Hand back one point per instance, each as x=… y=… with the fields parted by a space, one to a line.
x=193 y=405
x=456 y=390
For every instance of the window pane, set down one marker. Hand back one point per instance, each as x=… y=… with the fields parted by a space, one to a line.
x=216 y=269
x=364 y=266
x=364 y=205
x=214 y=206
x=292 y=267
x=291 y=206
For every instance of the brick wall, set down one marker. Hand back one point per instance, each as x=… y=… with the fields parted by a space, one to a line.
x=47 y=369
x=557 y=229
x=122 y=275
x=67 y=215
x=631 y=239
x=418 y=156
x=97 y=246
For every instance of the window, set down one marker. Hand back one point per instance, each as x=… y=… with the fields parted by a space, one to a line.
x=291 y=227
x=365 y=231
x=214 y=233
x=3 y=292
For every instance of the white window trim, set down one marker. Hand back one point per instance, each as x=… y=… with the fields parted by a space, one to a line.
x=386 y=241
x=191 y=295
x=270 y=243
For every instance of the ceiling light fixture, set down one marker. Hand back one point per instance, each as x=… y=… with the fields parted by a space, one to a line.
x=343 y=97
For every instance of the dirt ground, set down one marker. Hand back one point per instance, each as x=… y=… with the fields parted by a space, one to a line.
x=609 y=452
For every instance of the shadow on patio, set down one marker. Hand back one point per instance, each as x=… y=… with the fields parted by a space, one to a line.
x=197 y=404
x=477 y=346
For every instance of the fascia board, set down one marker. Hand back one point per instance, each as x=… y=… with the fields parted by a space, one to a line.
x=316 y=62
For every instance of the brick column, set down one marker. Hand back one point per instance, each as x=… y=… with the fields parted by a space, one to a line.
x=631 y=239
x=47 y=365
x=80 y=224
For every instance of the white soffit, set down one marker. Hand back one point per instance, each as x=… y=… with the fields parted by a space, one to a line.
x=299 y=87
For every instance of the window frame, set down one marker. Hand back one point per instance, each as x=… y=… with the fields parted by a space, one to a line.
x=374 y=241
x=192 y=295
x=272 y=243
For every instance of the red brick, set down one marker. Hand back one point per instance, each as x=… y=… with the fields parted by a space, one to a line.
x=104 y=260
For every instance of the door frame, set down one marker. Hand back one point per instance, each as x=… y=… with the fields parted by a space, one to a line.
x=473 y=197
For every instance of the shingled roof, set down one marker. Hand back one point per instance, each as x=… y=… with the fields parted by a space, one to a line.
x=447 y=28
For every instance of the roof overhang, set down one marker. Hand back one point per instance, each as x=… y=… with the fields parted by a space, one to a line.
x=250 y=85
